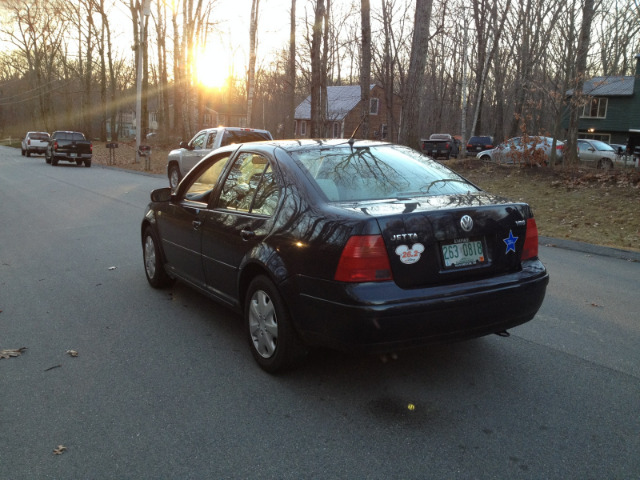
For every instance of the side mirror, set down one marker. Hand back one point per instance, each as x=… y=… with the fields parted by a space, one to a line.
x=161 y=195
x=184 y=145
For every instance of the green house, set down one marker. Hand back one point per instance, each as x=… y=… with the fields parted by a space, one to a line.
x=611 y=112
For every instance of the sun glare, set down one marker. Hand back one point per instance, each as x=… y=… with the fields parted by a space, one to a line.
x=213 y=69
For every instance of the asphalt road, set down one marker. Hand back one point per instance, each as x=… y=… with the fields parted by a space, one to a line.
x=164 y=386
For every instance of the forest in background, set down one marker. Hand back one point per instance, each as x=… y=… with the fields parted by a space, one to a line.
x=488 y=67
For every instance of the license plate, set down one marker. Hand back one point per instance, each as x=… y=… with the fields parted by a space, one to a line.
x=463 y=253
x=73 y=155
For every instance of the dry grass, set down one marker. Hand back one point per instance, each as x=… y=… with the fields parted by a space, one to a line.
x=601 y=208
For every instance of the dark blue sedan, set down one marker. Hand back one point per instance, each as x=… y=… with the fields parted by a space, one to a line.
x=352 y=245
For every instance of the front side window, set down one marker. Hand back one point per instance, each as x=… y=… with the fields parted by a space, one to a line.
x=201 y=188
x=250 y=186
x=199 y=140
x=595 y=108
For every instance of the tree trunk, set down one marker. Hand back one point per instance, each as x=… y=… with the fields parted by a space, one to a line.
x=577 y=100
x=290 y=87
x=365 y=69
x=251 y=74
x=412 y=92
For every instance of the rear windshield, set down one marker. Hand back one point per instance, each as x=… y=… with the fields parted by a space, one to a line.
x=39 y=136
x=70 y=136
x=378 y=172
x=239 y=136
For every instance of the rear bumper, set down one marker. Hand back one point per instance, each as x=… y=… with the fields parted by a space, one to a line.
x=72 y=157
x=378 y=317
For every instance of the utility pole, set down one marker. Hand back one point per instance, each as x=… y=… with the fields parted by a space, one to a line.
x=146 y=11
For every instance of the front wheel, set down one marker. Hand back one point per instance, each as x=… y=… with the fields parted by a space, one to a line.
x=153 y=267
x=174 y=176
x=272 y=339
x=605 y=164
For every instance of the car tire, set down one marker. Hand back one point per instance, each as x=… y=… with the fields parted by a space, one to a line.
x=87 y=163
x=153 y=265
x=54 y=161
x=174 y=176
x=28 y=153
x=22 y=152
x=78 y=162
x=605 y=164
x=47 y=158
x=273 y=340
x=485 y=158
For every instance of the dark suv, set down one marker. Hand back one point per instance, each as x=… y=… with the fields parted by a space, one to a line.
x=478 y=144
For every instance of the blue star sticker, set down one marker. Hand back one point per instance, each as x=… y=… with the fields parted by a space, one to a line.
x=510 y=242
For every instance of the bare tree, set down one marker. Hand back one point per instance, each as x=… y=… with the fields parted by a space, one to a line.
x=291 y=76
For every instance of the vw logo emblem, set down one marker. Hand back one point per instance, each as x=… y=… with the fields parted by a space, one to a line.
x=466 y=222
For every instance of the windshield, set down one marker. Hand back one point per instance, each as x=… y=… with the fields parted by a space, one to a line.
x=378 y=172
x=601 y=146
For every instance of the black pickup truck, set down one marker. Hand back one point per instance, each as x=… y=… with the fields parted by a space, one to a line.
x=70 y=147
x=440 y=145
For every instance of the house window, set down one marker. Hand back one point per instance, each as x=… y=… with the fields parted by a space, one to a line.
x=374 y=105
x=303 y=128
x=384 y=131
x=595 y=108
x=336 y=130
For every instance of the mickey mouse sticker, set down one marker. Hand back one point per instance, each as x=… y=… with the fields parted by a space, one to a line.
x=410 y=255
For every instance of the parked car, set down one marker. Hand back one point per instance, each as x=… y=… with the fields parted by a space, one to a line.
x=441 y=145
x=596 y=153
x=34 y=142
x=183 y=159
x=354 y=245
x=479 y=143
x=533 y=150
x=70 y=147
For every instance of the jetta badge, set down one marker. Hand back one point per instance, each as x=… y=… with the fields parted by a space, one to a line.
x=466 y=222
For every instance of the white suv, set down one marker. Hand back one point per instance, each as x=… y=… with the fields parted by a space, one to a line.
x=34 y=142
x=183 y=159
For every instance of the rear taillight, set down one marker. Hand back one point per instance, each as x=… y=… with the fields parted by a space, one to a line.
x=530 y=249
x=55 y=145
x=29 y=142
x=364 y=259
x=91 y=147
x=488 y=147
x=469 y=146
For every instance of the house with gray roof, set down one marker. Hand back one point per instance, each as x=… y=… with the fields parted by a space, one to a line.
x=611 y=112
x=344 y=114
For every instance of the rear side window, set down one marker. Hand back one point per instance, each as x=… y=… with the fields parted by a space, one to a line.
x=375 y=173
x=70 y=136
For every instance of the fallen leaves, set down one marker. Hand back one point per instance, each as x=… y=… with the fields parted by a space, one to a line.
x=72 y=353
x=59 y=450
x=12 y=352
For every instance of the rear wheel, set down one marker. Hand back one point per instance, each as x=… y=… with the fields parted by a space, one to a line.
x=153 y=266
x=485 y=158
x=47 y=158
x=54 y=160
x=87 y=163
x=28 y=153
x=78 y=162
x=22 y=152
x=272 y=339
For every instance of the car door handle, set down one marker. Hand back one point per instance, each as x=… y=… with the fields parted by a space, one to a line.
x=196 y=224
x=247 y=234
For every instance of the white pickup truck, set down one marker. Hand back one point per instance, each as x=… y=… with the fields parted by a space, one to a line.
x=34 y=142
x=183 y=159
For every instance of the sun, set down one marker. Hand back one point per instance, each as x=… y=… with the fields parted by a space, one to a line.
x=213 y=68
